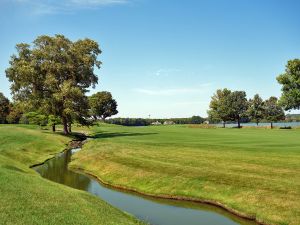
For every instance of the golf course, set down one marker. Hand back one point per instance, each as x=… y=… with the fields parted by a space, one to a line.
x=142 y=112
x=253 y=171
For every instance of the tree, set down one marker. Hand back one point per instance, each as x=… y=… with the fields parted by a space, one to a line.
x=53 y=76
x=228 y=106
x=102 y=105
x=219 y=106
x=196 y=120
x=53 y=121
x=36 y=118
x=256 y=109
x=290 y=81
x=4 y=108
x=272 y=111
x=238 y=105
x=15 y=113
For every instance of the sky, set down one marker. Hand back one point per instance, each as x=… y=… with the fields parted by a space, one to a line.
x=166 y=58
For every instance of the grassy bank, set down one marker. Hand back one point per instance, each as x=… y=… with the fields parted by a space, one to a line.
x=26 y=198
x=253 y=171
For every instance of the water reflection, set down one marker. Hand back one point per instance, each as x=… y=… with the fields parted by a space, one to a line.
x=156 y=212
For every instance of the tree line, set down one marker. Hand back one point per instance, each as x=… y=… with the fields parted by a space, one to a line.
x=51 y=77
x=227 y=105
x=147 y=122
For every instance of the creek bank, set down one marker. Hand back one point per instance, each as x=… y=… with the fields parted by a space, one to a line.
x=171 y=197
x=81 y=139
x=77 y=142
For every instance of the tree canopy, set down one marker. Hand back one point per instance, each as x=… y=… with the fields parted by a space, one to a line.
x=256 y=109
x=54 y=74
x=290 y=81
x=4 y=108
x=273 y=111
x=226 y=105
x=219 y=106
x=102 y=105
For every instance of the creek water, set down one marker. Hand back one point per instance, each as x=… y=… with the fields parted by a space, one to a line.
x=151 y=210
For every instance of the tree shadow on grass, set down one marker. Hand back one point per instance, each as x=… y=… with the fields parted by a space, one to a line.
x=117 y=134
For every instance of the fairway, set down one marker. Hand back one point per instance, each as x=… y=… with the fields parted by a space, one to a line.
x=26 y=198
x=253 y=171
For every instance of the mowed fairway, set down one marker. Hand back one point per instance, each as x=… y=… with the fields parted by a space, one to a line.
x=253 y=171
x=26 y=198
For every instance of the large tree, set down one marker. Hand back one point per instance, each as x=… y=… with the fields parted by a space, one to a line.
x=4 y=108
x=102 y=105
x=54 y=74
x=219 y=106
x=256 y=109
x=273 y=111
x=238 y=105
x=228 y=105
x=290 y=81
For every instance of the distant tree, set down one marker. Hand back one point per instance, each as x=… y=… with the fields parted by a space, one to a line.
x=290 y=81
x=219 y=107
x=238 y=105
x=196 y=120
x=4 y=108
x=273 y=111
x=15 y=113
x=53 y=121
x=256 y=109
x=53 y=76
x=102 y=105
x=36 y=118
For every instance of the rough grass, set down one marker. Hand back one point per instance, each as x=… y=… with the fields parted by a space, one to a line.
x=254 y=171
x=26 y=198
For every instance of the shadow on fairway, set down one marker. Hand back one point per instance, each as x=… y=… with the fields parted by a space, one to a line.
x=118 y=134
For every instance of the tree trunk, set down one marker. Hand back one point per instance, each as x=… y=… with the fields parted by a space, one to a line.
x=223 y=124
x=239 y=123
x=70 y=127
x=256 y=123
x=65 y=123
x=53 y=128
x=271 y=125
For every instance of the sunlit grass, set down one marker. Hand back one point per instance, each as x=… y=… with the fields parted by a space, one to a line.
x=26 y=198
x=254 y=171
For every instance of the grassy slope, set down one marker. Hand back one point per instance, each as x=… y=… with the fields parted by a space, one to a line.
x=254 y=171
x=26 y=198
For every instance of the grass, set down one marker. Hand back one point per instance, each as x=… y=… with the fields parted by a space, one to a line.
x=253 y=171
x=26 y=198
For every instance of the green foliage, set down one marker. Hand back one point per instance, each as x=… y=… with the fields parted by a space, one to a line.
x=129 y=121
x=256 y=110
x=226 y=105
x=4 y=108
x=54 y=74
x=15 y=113
x=146 y=122
x=191 y=120
x=238 y=105
x=290 y=81
x=34 y=118
x=273 y=112
x=102 y=105
x=219 y=106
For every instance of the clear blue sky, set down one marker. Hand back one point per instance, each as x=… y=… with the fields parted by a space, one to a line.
x=166 y=58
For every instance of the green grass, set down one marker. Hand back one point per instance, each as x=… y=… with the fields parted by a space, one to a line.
x=26 y=198
x=254 y=171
